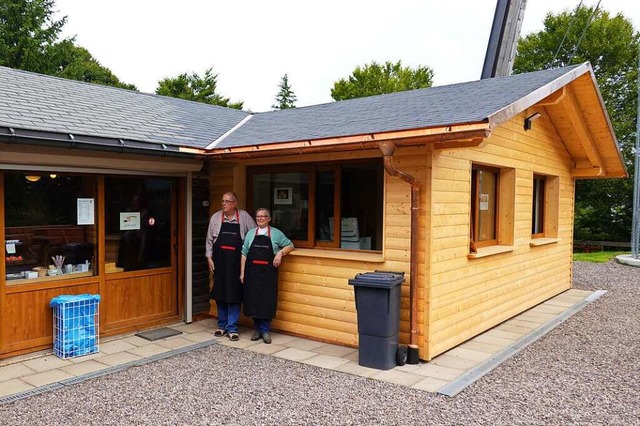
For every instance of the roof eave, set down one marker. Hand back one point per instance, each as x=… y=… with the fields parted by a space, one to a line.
x=461 y=133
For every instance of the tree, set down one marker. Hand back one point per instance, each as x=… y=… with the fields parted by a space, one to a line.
x=376 y=79
x=27 y=33
x=285 y=98
x=603 y=207
x=76 y=63
x=29 y=41
x=195 y=88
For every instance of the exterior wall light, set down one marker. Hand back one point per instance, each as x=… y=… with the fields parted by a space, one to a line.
x=530 y=119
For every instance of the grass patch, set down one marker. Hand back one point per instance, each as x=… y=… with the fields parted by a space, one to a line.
x=597 y=257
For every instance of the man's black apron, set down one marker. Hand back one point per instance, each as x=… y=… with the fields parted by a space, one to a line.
x=260 y=279
x=227 y=251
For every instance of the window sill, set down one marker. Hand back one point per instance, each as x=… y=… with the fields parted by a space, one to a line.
x=339 y=254
x=490 y=251
x=536 y=242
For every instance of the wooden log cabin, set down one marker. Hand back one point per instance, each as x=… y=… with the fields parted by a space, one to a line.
x=468 y=189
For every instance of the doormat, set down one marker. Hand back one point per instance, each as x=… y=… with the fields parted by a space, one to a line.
x=158 y=333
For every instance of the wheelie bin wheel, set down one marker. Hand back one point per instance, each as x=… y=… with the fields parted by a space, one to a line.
x=401 y=354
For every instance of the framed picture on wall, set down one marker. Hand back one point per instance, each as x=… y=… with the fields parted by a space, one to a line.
x=282 y=195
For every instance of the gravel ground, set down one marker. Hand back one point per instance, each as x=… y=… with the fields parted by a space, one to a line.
x=584 y=372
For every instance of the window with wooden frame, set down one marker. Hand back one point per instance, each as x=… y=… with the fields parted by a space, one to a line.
x=322 y=205
x=545 y=203
x=484 y=206
x=492 y=206
x=537 y=209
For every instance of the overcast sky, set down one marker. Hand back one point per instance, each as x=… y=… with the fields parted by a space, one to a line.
x=251 y=44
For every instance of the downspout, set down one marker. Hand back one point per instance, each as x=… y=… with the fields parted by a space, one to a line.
x=387 y=149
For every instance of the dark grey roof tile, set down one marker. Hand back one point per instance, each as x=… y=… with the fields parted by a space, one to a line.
x=432 y=107
x=52 y=104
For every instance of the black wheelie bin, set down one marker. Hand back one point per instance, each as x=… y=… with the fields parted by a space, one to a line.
x=377 y=297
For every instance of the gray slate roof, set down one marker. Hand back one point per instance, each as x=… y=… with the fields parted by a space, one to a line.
x=50 y=104
x=471 y=102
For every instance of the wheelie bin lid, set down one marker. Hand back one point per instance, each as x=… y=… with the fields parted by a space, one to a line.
x=378 y=279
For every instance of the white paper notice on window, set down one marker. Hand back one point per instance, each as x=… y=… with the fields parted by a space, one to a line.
x=86 y=211
x=484 y=201
x=129 y=221
x=10 y=248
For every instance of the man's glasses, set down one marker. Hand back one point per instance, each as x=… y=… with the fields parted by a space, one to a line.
x=261 y=216
x=227 y=201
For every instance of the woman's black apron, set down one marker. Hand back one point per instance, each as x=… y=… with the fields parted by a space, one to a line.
x=227 y=251
x=260 y=279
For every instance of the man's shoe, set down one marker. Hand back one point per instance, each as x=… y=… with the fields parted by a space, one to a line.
x=266 y=337
x=220 y=332
x=256 y=336
x=234 y=337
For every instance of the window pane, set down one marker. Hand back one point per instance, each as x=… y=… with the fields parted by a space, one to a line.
x=361 y=205
x=325 y=190
x=138 y=223
x=287 y=196
x=487 y=205
x=537 y=219
x=41 y=223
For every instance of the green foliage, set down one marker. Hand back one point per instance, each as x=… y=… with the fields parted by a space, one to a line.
x=196 y=88
x=27 y=33
x=76 y=63
x=376 y=79
x=29 y=41
x=596 y=257
x=285 y=98
x=610 y=44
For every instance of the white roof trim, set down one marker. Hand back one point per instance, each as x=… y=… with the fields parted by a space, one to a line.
x=228 y=132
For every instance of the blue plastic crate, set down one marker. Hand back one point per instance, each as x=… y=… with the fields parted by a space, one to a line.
x=76 y=325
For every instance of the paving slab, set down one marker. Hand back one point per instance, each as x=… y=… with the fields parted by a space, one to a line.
x=438 y=371
x=46 y=363
x=305 y=345
x=46 y=377
x=398 y=377
x=325 y=361
x=334 y=350
x=294 y=354
x=115 y=346
x=148 y=350
x=429 y=384
x=203 y=336
x=174 y=342
x=136 y=341
x=85 y=367
x=470 y=354
x=13 y=371
x=194 y=327
x=446 y=360
x=12 y=386
x=352 y=367
x=266 y=349
x=119 y=358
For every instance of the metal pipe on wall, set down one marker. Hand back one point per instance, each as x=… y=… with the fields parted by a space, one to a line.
x=387 y=149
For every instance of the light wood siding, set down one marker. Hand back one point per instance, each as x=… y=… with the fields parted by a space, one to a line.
x=315 y=298
x=469 y=296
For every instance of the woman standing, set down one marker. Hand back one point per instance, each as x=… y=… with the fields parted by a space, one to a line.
x=262 y=252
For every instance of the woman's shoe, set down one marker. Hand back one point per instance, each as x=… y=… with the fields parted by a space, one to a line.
x=256 y=336
x=234 y=337
x=266 y=337
x=220 y=332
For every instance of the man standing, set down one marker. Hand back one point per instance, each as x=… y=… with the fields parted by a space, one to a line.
x=227 y=228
